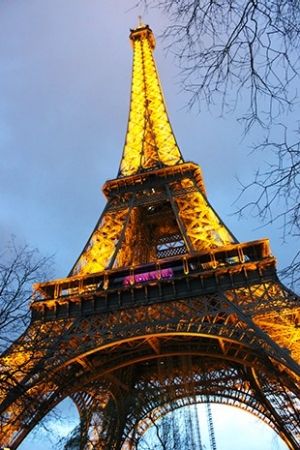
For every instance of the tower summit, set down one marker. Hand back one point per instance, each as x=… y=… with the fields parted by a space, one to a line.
x=150 y=142
x=163 y=308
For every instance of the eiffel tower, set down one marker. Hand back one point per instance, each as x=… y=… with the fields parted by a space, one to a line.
x=163 y=308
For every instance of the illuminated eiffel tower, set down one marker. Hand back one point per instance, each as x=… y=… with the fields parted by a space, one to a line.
x=163 y=308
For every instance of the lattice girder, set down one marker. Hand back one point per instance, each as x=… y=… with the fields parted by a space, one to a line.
x=176 y=385
x=155 y=396
x=101 y=246
x=210 y=313
x=236 y=391
x=168 y=217
x=202 y=225
x=153 y=178
x=216 y=325
x=150 y=142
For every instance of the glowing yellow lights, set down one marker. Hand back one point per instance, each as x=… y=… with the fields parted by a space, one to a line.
x=150 y=218
x=102 y=245
x=150 y=142
x=283 y=329
x=202 y=225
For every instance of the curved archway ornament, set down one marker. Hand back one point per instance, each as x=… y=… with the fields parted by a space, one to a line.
x=163 y=308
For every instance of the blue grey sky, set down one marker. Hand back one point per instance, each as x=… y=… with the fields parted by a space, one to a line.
x=65 y=70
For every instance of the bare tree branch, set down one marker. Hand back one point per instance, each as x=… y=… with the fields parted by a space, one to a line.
x=20 y=267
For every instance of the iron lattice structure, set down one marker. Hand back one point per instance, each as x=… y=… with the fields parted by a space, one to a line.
x=163 y=308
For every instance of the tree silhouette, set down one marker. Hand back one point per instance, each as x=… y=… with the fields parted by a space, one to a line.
x=20 y=267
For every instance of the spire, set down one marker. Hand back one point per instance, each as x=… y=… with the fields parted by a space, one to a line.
x=150 y=142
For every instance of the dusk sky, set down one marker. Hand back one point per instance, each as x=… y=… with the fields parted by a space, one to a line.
x=65 y=89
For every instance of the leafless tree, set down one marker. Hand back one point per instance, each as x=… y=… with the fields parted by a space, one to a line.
x=20 y=267
x=244 y=56
x=72 y=441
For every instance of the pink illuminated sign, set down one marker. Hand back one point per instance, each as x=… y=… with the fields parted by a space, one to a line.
x=147 y=276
